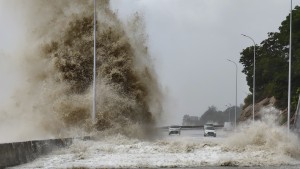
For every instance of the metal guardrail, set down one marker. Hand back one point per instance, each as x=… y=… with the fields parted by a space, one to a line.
x=192 y=127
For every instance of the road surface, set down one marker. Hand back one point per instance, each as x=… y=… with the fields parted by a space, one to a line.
x=188 y=150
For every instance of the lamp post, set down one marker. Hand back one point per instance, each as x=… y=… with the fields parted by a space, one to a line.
x=94 y=70
x=253 y=102
x=235 y=92
x=290 y=65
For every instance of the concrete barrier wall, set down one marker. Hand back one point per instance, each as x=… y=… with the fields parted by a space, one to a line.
x=12 y=154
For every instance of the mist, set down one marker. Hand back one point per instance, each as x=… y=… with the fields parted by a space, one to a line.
x=55 y=60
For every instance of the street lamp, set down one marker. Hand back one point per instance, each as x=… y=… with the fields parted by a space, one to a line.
x=235 y=92
x=94 y=71
x=253 y=102
x=290 y=65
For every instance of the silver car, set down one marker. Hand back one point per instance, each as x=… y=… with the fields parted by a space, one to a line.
x=210 y=131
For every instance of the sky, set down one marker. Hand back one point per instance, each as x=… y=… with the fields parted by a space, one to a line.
x=190 y=42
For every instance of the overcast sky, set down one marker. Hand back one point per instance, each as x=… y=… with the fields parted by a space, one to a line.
x=190 y=41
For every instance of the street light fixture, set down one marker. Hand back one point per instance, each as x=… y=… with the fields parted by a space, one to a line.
x=235 y=91
x=253 y=102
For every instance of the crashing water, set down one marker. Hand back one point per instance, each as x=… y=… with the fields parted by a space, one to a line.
x=55 y=101
x=255 y=144
x=57 y=60
x=261 y=143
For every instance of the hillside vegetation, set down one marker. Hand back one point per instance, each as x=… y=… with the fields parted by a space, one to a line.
x=272 y=56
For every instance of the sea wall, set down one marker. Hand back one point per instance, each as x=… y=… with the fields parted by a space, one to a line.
x=12 y=154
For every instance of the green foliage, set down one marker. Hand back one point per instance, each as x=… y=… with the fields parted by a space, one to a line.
x=214 y=115
x=272 y=64
x=294 y=100
x=248 y=100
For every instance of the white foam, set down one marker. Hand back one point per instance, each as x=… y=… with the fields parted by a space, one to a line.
x=181 y=151
x=259 y=143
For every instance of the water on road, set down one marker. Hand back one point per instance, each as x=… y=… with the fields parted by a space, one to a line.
x=188 y=150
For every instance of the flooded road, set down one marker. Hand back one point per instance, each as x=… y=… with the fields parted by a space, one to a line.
x=188 y=150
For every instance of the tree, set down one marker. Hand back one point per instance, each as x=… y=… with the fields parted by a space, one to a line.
x=272 y=64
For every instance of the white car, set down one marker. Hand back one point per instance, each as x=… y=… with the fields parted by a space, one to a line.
x=209 y=131
x=174 y=130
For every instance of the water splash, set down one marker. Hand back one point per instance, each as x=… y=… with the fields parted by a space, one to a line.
x=58 y=61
